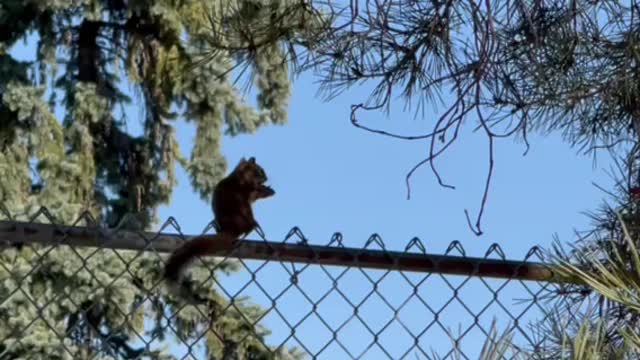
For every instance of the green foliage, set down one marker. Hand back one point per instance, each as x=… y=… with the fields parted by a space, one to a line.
x=596 y=310
x=67 y=303
x=515 y=68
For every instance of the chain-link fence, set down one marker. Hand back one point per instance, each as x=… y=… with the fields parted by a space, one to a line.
x=84 y=291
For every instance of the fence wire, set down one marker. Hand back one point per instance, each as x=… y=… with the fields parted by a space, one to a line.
x=86 y=292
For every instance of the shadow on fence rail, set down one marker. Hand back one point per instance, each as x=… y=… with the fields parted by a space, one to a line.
x=85 y=292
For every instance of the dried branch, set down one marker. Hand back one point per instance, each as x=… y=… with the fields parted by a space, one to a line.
x=528 y=66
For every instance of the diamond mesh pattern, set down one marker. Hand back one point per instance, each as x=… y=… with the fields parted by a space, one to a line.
x=89 y=292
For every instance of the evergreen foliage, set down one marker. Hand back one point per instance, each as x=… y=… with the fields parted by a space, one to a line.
x=80 y=303
x=514 y=67
x=510 y=67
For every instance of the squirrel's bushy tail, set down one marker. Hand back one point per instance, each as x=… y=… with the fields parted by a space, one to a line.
x=184 y=255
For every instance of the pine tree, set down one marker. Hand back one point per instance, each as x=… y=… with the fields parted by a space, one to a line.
x=68 y=303
x=512 y=67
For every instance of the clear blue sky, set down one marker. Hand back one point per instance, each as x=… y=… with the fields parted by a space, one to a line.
x=330 y=176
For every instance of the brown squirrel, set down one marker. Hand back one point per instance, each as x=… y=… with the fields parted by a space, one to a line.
x=232 y=199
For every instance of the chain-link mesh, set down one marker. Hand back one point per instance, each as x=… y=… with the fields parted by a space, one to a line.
x=89 y=292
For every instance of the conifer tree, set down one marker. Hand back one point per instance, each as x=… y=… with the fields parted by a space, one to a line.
x=69 y=303
x=511 y=68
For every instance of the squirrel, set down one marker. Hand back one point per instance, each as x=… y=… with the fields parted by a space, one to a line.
x=231 y=205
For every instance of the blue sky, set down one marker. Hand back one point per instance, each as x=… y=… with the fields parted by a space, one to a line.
x=331 y=177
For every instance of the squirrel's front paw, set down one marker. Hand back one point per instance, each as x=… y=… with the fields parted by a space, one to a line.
x=268 y=191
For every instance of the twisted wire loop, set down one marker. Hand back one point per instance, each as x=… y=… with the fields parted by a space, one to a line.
x=291 y=298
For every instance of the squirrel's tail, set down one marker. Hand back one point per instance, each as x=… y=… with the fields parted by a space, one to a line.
x=200 y=245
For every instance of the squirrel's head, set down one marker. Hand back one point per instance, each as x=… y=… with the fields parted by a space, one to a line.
x=248 y=171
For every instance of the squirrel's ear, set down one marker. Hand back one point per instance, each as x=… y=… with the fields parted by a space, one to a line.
x=240 y=163
x=252 y=160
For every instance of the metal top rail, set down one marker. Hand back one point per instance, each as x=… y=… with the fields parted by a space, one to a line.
x=12 y=232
